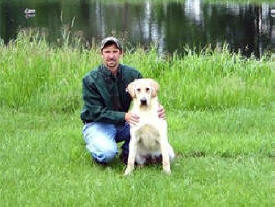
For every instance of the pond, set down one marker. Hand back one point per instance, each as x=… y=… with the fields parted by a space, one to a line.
x=171 y=25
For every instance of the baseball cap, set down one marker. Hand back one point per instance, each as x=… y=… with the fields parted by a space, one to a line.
x=111 y=39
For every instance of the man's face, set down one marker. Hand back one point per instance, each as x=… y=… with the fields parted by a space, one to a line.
x=111 y=55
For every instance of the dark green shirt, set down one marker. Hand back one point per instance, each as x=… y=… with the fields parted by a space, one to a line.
x=104 y=95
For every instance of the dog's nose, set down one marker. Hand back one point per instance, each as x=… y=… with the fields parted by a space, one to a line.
x=143 y=101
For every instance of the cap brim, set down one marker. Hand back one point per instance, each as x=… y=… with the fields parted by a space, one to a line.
x=112 y=40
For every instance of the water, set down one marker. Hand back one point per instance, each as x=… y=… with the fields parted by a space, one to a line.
x=171 y=25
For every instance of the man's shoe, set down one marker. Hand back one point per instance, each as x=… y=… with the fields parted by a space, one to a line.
x=104 y=164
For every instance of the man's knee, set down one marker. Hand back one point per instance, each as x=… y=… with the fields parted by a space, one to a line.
x=99 y=139
x=102 y=151
x=106 y=155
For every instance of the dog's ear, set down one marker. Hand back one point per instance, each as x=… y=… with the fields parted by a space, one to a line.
x=131 y=89
x=155 y=88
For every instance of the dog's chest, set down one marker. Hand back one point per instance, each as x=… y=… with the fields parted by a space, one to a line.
x=148 y=137
x=148 y=131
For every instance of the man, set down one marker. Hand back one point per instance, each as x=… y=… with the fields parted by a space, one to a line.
x=106 y=102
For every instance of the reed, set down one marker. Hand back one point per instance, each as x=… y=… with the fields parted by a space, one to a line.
x=35 y=76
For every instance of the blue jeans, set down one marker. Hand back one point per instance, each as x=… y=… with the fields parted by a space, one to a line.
x=101 y=139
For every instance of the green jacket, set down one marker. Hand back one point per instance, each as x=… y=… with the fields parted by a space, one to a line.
x=104 y=95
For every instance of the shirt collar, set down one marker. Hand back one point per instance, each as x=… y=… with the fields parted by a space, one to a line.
x=107 y=72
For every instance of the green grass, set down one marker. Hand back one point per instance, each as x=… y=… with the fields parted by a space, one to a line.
x=220 y=110
x=37 y=77
x=223 y=159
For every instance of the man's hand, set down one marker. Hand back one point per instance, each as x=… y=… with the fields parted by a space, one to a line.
x=131 y=118
x=161 y=112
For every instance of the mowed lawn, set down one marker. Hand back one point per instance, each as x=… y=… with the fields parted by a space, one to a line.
x=224 y=158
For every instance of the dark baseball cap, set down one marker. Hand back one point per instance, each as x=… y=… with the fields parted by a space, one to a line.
x=111 y=39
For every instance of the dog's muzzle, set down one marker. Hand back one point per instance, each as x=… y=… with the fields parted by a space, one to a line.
x=143 y=101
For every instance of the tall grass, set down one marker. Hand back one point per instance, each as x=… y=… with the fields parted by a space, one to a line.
x=35 y=76
x=39 y=77
x=211 y=79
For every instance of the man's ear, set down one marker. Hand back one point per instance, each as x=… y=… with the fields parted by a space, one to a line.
x=155 y=87
x=131 y=89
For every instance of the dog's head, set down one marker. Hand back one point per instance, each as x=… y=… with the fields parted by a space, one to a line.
x=143 y=90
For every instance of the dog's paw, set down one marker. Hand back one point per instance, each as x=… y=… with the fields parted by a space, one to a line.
x=128 y=171
x=167 y=171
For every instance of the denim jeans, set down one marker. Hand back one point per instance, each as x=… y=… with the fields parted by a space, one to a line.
x=101 y=139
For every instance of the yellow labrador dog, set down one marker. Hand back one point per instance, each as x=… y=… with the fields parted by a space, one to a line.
x=149 y=135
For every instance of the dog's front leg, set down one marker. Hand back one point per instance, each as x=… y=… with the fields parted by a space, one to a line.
x=165 y=155
x=132 y=155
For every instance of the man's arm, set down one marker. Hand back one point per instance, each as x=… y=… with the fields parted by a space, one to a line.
x=94 y=110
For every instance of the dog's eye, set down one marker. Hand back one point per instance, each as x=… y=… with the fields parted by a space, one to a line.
x=147 y=89
x=138 y=89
